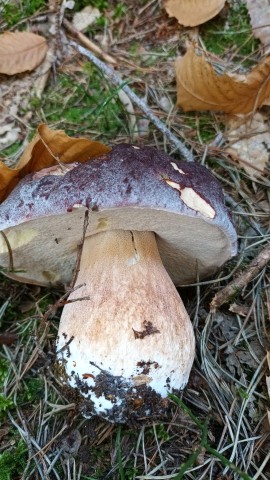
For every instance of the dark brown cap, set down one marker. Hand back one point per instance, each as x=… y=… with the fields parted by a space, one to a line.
x=130 y=188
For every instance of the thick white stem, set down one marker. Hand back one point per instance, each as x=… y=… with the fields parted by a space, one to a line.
x=134 y=327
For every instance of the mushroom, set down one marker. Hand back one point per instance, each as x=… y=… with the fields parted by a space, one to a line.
x=125 y=339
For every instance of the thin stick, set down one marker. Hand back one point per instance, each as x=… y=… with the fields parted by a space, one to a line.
x=11 y=264
x=88 y=43
x=257 y=264
x=79 y=254
x=117 y=80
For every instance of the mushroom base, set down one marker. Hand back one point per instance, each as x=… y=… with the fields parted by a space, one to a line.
x=129 y=405
x=131 y=341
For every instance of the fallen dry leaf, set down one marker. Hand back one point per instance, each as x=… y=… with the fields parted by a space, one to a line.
x=240 y=309
x=249 y=140
x=260 y=20
x=268 y=385
x=193 y=12
x=7 y=338
x=199 y=87
x=86 y=17
x=48 y=148
x=21 y=51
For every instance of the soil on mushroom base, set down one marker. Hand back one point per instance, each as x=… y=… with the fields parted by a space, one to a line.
x=140 y=402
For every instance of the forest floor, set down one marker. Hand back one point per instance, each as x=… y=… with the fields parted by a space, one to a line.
x=218 y=428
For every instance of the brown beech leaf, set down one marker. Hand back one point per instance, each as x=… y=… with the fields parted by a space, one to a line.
x=260 y=20
x=47 y=148
x=21 y=51
x=193 y=12
x=199 y=87
x=249 y=140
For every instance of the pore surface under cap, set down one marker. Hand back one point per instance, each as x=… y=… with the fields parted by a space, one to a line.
x=129 y=188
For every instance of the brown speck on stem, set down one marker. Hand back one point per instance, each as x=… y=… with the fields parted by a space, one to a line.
x=149 y=329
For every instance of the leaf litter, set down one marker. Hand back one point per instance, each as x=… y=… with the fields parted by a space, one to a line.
x=201 y=87
x=227 y=387
x=21 y=52
x=193 y=12
x=260 y=20
x=86 y=17
x=249 y=143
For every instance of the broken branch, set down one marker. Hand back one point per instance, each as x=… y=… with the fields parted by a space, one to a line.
x=257 y=264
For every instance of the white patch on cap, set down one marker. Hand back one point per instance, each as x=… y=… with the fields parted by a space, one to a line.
x=177 y=168
x=78 y=205
x=196 y=202
x=193 y=200
x=174 y=185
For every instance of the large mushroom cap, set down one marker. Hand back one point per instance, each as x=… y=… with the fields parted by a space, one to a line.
x=130 y=188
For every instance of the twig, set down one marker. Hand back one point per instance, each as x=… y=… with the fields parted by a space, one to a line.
x=257 y=264
x=79 y=253
x=117 y=80
x=11 y=264
x=88 y=43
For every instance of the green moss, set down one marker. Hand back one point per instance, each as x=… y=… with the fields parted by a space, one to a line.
x=5 y=404
x=11 y=150
x=233 y=33
x=99 y=4
x=3 y=371
x=33 y=391
x=162 y=433
x=13 y=461
x=204 y=124
x=120 y=11
x=90 y=103
x=12 y=12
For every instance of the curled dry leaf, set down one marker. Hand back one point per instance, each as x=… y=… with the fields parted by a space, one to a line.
x=199 y=87
x=260 y=20
x=250 y=143
x=86 y=17
x=21 y=52
x=48 y=148
x=193 y=12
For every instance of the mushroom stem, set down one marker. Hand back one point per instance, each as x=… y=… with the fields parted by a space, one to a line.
x=134 y=327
